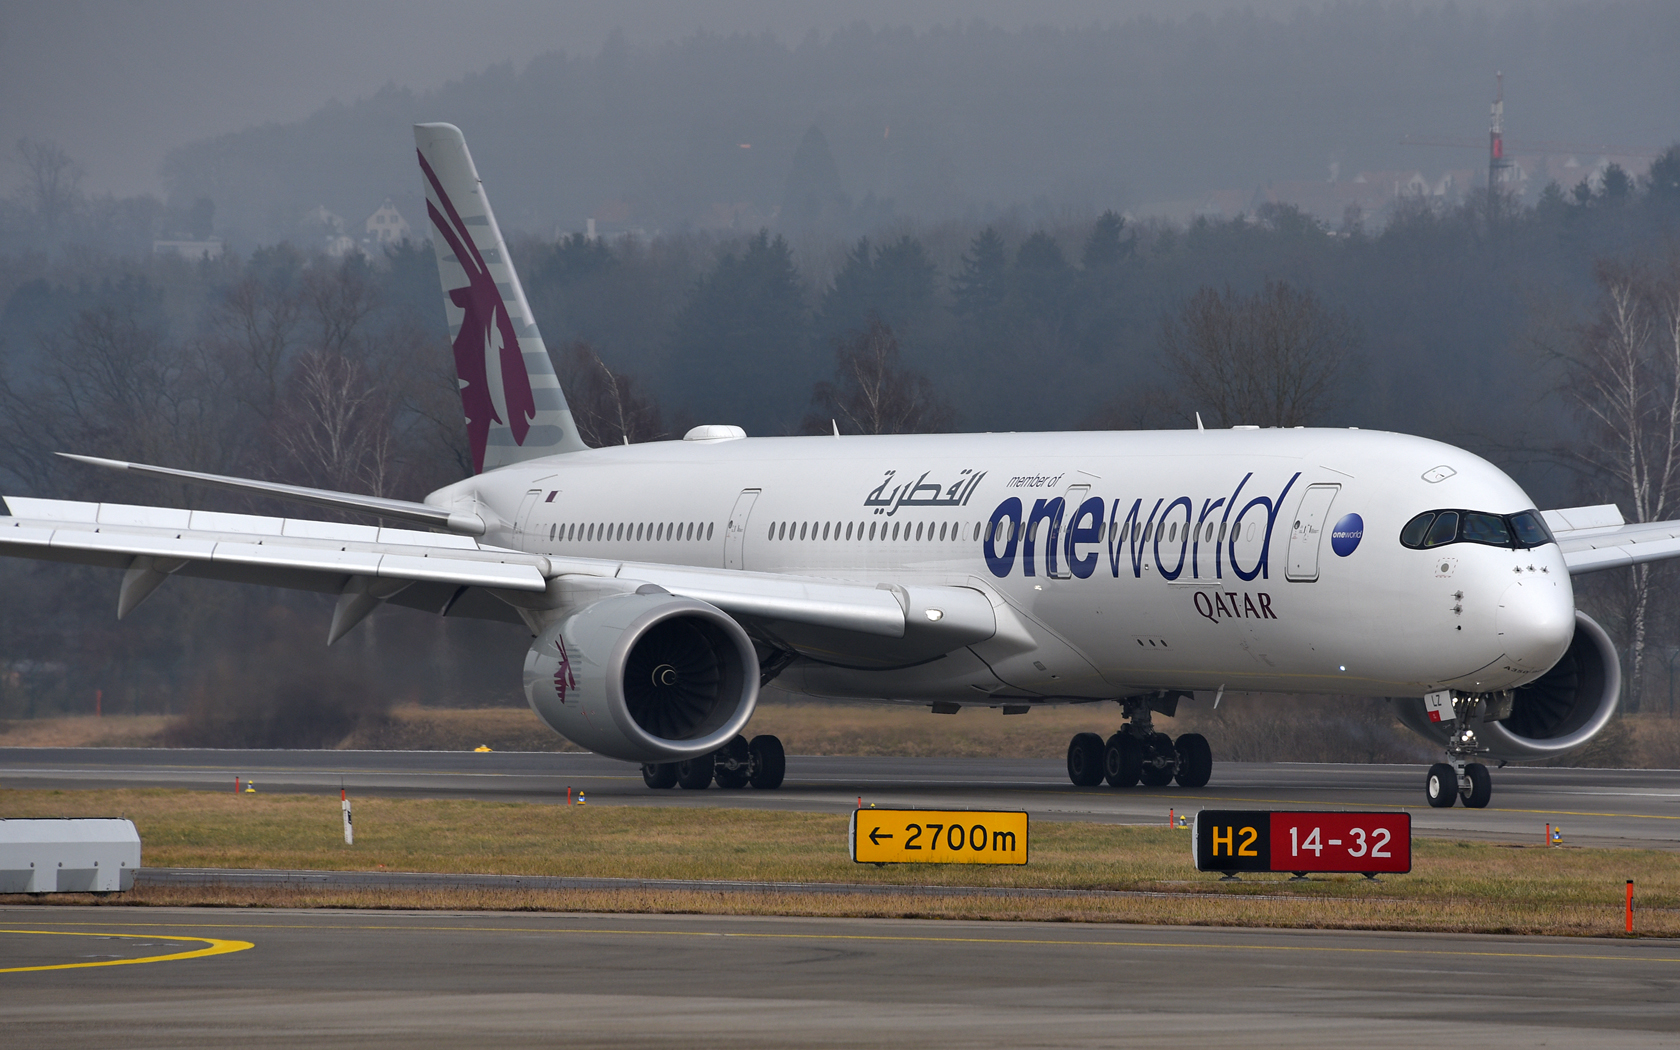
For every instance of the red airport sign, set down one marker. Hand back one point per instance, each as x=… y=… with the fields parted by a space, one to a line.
x=1233 y=840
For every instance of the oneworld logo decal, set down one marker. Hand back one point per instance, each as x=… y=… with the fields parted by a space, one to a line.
x=494 y=385
x=1347 y=534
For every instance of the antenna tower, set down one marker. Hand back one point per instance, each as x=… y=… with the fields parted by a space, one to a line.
x=1499 y=168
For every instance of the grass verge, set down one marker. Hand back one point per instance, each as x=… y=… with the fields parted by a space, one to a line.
x=1454 y=886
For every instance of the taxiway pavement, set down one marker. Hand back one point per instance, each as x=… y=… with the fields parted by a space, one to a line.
x=382 y=979
x=1594 y=806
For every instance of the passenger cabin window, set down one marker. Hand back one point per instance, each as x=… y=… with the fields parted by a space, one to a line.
x=1437 y=528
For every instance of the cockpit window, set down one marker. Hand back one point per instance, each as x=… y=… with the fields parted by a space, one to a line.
x=1530 y=529
x=1436 y=528
x=1445 y=529
x=1485 y=528
x=1416 y=529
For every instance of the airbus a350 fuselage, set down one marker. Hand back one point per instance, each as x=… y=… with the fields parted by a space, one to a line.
x=1245 y=559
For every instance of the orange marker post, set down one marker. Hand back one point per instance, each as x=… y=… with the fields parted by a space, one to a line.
x=1630 y=905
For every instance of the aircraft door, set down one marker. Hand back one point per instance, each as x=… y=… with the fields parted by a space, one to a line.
x=1056 y=545
x=1311 y=519
x=522 y=520
x=735 y=536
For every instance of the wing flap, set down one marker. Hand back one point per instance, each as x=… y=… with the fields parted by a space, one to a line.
x=1609 y=547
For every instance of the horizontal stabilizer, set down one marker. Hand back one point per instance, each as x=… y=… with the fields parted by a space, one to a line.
x=379 y=506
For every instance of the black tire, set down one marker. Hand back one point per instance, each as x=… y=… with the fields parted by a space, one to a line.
x=659 y=775
x=695 y=774
x=1085 y=760
x=1481 y=786
x=769 y=762
x=1195 y=760
x=1122 y=760
x=732 y=764
x=1441 y=786
x=1160 y=761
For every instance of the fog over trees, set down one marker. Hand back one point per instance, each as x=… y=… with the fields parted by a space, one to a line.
x=929 y=231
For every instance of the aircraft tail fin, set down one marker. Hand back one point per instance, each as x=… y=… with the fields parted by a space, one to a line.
x=512 y=399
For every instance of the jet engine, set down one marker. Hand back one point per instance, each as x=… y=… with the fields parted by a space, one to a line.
x=645 y=677
x=1552 y=715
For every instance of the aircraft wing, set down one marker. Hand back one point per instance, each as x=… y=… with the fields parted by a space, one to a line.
x=1594 y=538
x=452 y=574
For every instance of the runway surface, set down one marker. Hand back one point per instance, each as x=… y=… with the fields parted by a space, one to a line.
x=1594 y=806
x=489 y=979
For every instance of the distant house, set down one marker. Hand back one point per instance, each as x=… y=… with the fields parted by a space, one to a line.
x=188 y=249
x=387 y=226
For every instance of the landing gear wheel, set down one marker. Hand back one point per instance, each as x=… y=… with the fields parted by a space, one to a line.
x=1481 y=786
x=1195 y=760
x=1085 y=760
x=769 y=762
x=1122 y=760
x=1160 y=761
x=732 y=764
x=660 y=775
x=1442 y=786
x=695 y=774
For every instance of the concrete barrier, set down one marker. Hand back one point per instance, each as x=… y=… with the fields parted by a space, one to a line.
x=81 y=855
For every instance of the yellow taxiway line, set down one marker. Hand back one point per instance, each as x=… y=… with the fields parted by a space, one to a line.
x=215 y=946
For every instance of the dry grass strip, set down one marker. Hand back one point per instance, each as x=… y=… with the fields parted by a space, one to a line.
x=1454 y=885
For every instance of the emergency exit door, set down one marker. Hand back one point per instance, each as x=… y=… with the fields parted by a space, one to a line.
x=1311 y=519
x=735 y=536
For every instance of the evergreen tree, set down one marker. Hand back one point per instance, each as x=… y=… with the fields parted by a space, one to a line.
x=895 y=282
x=983 y=285
x=1042 y=282
x=741 y=353
x=1663 y=180
x=1104 y=247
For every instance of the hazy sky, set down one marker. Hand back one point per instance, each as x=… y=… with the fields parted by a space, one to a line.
x=119 y=84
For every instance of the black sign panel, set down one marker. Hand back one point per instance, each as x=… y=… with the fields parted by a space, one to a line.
x=1233 y=840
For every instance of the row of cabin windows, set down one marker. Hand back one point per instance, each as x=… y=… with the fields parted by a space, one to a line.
x=824 y=530
x=658 y=532
x=1166 y=532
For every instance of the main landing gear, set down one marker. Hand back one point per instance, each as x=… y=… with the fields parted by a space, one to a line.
x=1138 y=754
x=761 y=763
x=1459 y=776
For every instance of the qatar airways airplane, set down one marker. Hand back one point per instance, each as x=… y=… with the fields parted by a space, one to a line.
x=665 y=583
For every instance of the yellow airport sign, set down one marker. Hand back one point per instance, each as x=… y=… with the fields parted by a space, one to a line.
x=937 y=836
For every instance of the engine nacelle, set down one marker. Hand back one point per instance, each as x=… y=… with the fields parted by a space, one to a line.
x=1552 y=715
x=645 y=677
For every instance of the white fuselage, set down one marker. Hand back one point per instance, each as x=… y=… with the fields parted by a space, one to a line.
x=1175 y=559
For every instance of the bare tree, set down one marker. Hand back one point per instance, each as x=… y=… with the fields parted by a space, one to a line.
x=1622 y=375
x=257 y=324
x=873 y=393
x=606 y=405
x=1270 y=359
x=53 y=181
x=339 y=298
x=336 y=424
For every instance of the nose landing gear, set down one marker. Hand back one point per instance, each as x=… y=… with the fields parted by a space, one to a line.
x=1459 y=776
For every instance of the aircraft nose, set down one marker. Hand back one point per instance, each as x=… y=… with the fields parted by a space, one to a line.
x=1536 y=622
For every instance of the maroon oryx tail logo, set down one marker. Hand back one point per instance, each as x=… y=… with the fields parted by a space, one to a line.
x=494 y=384
x=563 y=679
